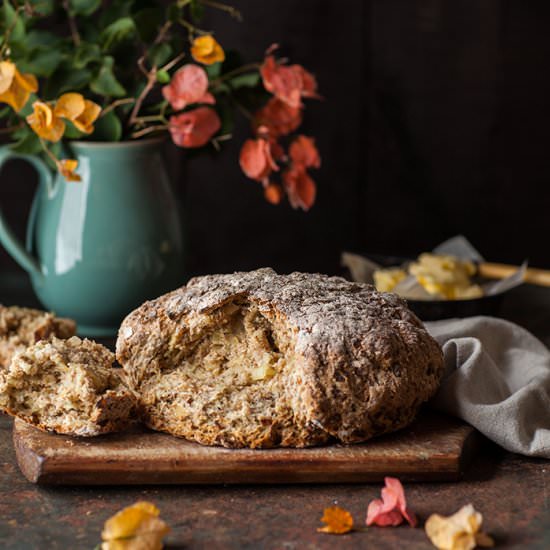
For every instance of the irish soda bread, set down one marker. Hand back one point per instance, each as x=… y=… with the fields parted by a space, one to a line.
x=66 y=386
x=20 y=327
x=263 y=360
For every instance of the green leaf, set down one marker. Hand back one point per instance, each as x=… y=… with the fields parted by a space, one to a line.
x=43 y=7
x=118 y=31
x=173 y=12
x=105 y=82
x=28 y=144
x=71 y=131
x=160 y=54
x=163 y=77
x=86 y=53
x=148 y=22
x=66 y=79
x=214 y=70
x=37 y=38
x=84 y=7
x=250 y=80
x=41 y=61
x=107 y=128
x=11 y=20
x=196 y=11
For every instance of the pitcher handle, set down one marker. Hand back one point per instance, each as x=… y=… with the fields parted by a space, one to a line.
x=11 y=243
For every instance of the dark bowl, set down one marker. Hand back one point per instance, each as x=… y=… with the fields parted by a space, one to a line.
x=433 y=310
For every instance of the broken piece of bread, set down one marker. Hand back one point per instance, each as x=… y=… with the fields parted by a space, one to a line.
x=21 y=327
x=263 y=360
x=68 y=387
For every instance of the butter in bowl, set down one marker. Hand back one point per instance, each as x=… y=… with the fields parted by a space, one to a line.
x=451 y=281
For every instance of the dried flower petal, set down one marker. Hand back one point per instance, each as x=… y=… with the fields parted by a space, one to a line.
x=338 y=521
x=459 y=531
x=45 y=122
x=278 y=117
x=300 y=188
x=81 y=112
x=15 y=87
x=289 y=83
x=273 y=193
x=136 y=527
x=304 y=153
x=206 y=50
x=188 y=85
x=392 y=509
x=256 y=159
x=194 y=128
x=67 y=169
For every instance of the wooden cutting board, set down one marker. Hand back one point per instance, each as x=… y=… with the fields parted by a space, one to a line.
x=433 y=448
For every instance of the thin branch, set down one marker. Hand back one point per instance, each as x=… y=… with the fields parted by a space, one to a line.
x=235 y=72
x=149 y=130
x=233 y=12
x=173 y=62
x=10 y=129
x=151 y=81
x=72 y=23
x=117 y=103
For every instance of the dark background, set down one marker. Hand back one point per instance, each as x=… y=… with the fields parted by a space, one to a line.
x=436 y=121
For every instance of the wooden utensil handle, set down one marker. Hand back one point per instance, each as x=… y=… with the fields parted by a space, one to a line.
x=534 y=276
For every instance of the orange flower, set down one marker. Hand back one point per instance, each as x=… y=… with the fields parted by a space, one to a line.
x=256 y=159
x=67 y=169
x=135 y=527
x=392 y=509
x=303 y=152
x=273 y=193
x=338 y=521
x=15 y=88
x=81 y=112
x=279 y=117
x=189 y=85
x=45 y=122
x=206 y=50
x=194 y=128
x=299 y=187
x=289 y=83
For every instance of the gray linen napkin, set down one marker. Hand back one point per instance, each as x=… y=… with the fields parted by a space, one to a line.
x=497 y=378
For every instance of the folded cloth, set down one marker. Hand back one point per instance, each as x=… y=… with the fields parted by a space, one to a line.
x=497 y=378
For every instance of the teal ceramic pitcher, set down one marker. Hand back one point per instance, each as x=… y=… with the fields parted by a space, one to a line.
x=98 y=248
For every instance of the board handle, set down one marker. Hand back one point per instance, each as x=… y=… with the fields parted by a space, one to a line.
x=533 y=275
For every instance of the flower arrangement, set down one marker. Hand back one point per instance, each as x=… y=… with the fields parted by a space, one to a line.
x=125 y=69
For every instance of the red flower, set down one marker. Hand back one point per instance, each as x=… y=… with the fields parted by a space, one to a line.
x=303 y=153
x=257 y=158
x=392 y=509
x=189 y=85
x=279 y=117
x=289 y=83
x=194 y=128
x=299 y=187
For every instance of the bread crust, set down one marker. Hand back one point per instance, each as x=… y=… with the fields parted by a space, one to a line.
x=362 y=362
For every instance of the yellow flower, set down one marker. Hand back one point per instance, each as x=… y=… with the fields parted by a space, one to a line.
x=206 y=50
x=45 y=122
x=461 y=531
x=136 y=527
x=67 y=169
x=15 y=88
x=81 y=112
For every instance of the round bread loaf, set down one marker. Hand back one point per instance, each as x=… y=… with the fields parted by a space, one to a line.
x=259 y=359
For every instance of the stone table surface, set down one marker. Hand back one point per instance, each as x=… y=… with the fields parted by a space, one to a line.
x=511 y=491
